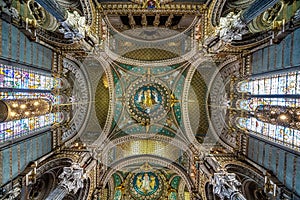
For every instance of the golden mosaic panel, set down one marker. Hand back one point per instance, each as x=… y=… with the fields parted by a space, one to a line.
x=150 y=54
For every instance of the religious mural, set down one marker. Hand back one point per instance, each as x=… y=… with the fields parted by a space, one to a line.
x=145 y=183
x=149 y=102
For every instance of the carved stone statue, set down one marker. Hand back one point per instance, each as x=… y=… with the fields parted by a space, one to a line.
x=231 y=27
x=74 y=27
x=225 y=185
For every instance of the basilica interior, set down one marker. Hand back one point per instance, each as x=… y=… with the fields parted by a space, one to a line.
x=149 y=99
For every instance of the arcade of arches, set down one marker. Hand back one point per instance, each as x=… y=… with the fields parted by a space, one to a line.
x=150 y=99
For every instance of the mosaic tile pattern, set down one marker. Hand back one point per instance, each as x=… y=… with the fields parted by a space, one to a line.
x=150 y=54
x=197 y=111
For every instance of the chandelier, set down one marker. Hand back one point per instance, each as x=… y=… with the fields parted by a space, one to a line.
x=23 y=108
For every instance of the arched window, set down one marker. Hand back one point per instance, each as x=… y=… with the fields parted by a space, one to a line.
x=23 y=83
x=252 y=103
x=21 y=78
x=282 y=90
x=276 y=133
x=279 y=84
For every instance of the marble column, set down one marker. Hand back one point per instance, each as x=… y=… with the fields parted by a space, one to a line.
x=71 y=180
x=58 y=193
x=54 y=9
x=72 y=24
x=256 y=8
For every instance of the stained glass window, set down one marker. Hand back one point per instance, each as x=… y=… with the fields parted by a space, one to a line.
x=254 y=102
x=279 y=134
x=21 y=78
x=277 y=84
x=27 y=95
x=18 y=128
x=27 y=79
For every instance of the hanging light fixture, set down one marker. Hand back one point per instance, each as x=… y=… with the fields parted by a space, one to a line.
x=23 y=108
x=281 y=115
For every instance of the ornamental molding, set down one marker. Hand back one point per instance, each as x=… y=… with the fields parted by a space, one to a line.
x=138 y=44
x=106 y=64
x=173 y=141
x=88 y=11
x=217 y=124
x=216 y=11
x=81 y=107
x=196 y=62
x=172 y=8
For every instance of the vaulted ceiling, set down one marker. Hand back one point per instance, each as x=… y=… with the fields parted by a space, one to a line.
x=152 y=84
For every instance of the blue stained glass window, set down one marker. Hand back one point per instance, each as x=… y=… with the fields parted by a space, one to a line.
x=275 y=90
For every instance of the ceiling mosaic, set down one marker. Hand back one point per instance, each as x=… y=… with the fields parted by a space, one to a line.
x=102 y=100
x=147 y=182
x=197 y=103
x=148 y=100
x=147 y=147
x=150 y=54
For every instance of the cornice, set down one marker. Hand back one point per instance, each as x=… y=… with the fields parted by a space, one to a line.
x=172 y=8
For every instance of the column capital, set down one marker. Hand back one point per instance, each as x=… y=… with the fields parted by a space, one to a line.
x=72 y=178
x=226 y=186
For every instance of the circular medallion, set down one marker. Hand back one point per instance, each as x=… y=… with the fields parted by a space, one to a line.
x=148 y=100
x=145 y=183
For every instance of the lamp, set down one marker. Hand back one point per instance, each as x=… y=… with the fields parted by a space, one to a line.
x=23 y=108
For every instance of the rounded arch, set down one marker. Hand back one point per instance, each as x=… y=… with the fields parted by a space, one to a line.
x=43 y=186
x=150 y=159
x=251 y=179
x=246 y=171
x=52 y=163
x=47 y=174
x=168 y=140
x=252 y=182
x=215 y=88
x=47 y=179
x=104 y=62
x=79 y=121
